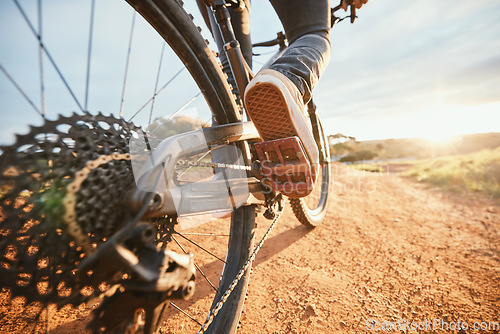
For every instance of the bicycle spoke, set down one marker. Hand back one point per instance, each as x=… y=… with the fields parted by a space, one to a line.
x=131 y=36
x=48 y=54
x=159 y=91
x=175 y=113
x=197 y=267
x=156 y=84
x=89 y=53
x=206 y=278
x=185 y=105
x=11 y=79
x=190 y=317
x=48 y=149
x=208 y=234
x=200 y=247
x=40 y=57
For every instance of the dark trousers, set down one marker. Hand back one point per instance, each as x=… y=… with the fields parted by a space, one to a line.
x=307 y=27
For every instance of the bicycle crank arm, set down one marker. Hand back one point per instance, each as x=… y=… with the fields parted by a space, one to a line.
x=230 y=133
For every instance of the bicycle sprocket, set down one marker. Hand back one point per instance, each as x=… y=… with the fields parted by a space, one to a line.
x=38 y=257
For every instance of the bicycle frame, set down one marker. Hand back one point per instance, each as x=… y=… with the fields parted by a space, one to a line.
x=69 y=189
x=201 y=196
x=171 y=198
x=241 y=72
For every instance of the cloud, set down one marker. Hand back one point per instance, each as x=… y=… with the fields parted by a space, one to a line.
x=406 y=57
x=476 y=84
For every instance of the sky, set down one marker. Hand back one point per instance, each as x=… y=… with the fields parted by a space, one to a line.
x=403 y=69
x=415 y=69
x=412 y=69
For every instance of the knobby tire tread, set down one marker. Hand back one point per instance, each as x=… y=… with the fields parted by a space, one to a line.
x=309 y=216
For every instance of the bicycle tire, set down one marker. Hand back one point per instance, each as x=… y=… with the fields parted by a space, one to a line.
x=176 y=27
x=311 y=210
x=193 y=51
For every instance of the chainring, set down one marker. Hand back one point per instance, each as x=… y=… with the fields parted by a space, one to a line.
x=38 y=257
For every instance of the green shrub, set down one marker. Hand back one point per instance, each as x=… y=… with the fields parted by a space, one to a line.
x=359 y=156
x=475 y=172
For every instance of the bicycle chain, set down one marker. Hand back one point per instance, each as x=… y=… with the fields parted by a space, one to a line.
x=69 y=200
x=213 y=313
x=189 y=163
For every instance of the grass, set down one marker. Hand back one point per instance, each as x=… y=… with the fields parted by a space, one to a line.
x=474 y=172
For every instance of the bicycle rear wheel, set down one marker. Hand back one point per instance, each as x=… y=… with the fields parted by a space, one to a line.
x=34 y=239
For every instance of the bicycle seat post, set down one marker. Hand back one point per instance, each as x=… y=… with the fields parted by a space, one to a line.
x=241 y=71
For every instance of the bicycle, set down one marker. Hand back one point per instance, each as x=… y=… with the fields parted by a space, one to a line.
x=66 y=241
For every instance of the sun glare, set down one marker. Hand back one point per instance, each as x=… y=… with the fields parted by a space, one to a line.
x=439 y=136
x=441 y=123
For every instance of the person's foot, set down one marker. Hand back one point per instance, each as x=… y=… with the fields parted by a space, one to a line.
x=276 y=108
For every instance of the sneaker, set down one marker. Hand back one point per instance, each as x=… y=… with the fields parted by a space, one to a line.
x=276 y=108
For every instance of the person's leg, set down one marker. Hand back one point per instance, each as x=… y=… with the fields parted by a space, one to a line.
x=307 y=27
x=275 y=99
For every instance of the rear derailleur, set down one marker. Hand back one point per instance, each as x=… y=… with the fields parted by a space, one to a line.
x=144 y=278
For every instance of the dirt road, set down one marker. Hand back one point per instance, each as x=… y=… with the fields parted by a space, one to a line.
x=391 y=252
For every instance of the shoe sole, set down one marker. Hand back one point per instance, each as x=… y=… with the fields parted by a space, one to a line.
x=268 y=108
x=264 y=100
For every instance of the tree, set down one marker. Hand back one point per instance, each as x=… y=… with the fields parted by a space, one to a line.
x=340 y=143
x=163 y=128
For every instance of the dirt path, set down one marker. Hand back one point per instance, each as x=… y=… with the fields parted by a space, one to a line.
x=391 y=250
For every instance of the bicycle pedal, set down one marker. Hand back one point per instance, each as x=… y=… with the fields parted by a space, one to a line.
x=285 y=164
